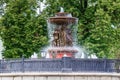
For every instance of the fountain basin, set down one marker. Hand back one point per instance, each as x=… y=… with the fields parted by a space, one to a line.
x=59 y=52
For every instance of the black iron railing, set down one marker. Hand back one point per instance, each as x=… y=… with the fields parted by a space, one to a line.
x=59 y=65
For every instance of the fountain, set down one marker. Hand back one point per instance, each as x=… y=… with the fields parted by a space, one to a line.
x=62 y=33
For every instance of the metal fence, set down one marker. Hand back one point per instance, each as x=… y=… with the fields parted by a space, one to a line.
x=66 y=64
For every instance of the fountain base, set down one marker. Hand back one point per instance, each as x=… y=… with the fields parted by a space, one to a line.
x=59 y=52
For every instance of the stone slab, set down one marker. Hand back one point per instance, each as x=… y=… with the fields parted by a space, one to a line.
x=106 y=78
x=93 y=78
x=17 y=78
x=98 y=78
x=80 y=78
x=7 y=78
x=67 y=78
x=53 y=78
x=40 y=78
x=28 y=78
x=115 y=78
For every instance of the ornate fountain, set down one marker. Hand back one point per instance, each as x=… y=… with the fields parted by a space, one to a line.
x=62 y=33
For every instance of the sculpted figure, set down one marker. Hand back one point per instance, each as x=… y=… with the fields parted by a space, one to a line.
x=69 y=39
x=56 y=37
x=62 y=36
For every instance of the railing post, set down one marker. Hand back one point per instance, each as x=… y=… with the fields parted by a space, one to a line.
x=105 y=65
x=67 y=67
x=23 y=64
x=117 y=65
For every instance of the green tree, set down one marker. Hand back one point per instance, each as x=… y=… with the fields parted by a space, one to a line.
x=99 y=22
x=105 y=38
x=22 y=30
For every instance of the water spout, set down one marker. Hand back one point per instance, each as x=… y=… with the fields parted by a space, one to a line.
x=61 y=9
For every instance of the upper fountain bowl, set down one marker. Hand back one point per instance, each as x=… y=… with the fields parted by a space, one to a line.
x=62 y=18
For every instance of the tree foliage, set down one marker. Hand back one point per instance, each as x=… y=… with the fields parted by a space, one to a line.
x=99 y=23
x=22 y=30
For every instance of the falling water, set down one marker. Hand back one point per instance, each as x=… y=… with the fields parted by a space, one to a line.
x=66 y=23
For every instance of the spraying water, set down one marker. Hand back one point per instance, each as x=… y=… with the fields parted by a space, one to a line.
x=61 y=9
x=62 y=30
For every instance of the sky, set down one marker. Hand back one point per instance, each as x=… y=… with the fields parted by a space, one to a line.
x=42 y=6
